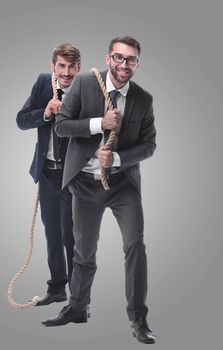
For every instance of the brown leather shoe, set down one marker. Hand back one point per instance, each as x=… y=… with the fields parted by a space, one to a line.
x=65 y=316
x=141 y=331
x=52 y=298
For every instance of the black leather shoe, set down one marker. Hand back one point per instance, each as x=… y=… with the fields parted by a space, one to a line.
x=52 y=298
x=65 y=316
x=141 y=331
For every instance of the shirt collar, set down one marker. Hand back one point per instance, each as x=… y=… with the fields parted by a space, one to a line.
x=123 y=91
x=65 y=90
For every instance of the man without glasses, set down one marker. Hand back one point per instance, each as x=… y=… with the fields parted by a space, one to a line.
x=47 y=167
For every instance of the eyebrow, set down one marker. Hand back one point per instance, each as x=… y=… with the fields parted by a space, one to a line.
x=71 y=64
x=120 y=54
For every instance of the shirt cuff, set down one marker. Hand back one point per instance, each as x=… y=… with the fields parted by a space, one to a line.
x=95 y=126
x=46 y=119
x=116 y=160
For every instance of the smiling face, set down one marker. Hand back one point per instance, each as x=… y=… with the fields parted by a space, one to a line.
x=65 y=71
x=121 y=73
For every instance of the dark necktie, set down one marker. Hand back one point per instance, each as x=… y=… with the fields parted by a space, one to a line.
x=60 y=93
x=56 y=139
x=113 y=96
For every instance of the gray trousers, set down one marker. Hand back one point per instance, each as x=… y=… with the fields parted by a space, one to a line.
x=89 y=203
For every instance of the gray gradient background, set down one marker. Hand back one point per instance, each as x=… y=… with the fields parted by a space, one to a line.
x=181 y=65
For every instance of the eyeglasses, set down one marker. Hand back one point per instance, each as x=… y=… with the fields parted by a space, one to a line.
x=130 y=60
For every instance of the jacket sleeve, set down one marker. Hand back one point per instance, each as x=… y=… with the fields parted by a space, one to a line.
x=69 y=121
x=31 y=114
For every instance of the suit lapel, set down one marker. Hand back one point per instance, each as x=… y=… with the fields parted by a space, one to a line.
x=100 y=96
x=49 y=90
x=47 y=97
x=130 y=101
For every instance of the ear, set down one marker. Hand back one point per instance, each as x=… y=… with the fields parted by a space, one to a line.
x=52 y=67
x=107 y=59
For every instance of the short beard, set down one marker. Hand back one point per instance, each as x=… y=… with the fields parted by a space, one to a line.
x=115 y=76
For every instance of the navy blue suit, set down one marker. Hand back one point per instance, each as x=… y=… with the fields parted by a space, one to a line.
x=55 y=203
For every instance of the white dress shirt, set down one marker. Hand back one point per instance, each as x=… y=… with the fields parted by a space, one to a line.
x=50 y=155
x=93 y=165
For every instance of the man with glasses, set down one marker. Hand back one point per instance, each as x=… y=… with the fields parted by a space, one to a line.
x=47 y=167
x=84 y=118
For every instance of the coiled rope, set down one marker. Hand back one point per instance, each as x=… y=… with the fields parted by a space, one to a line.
x=113 y=132
x=12 y=283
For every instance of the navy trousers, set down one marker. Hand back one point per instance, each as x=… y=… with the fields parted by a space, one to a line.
x=56 y=214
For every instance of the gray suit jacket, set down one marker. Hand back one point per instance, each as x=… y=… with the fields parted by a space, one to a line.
x=84 y=101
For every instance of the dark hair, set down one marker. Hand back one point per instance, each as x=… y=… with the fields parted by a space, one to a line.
x=68 y=51
x=128 y=40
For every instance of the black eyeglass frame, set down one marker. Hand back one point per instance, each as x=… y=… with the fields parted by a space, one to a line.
x=126 y=59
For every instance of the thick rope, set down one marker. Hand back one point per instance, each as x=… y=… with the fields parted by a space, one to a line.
x=12 y=284
x=35 y=299
x=113 y=132
x=54 y=86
